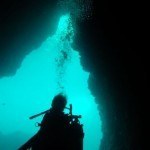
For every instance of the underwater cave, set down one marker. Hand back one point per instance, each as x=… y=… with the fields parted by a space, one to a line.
x=86 y=49
x=52 y=68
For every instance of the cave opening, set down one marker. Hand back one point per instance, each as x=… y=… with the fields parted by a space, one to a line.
x=52 y=68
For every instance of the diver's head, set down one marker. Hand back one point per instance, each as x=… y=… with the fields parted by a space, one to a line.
x=59 y=102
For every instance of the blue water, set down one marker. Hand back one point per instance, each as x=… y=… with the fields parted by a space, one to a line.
x=52 y=68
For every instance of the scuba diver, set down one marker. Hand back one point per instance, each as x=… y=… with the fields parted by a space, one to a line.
x=58 y=131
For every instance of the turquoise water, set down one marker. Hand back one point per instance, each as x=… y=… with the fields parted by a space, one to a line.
x=52 y=68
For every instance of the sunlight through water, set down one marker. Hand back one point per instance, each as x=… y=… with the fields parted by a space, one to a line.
x=52 y=68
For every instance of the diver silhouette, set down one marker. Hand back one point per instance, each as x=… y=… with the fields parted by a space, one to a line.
x=58 y=131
